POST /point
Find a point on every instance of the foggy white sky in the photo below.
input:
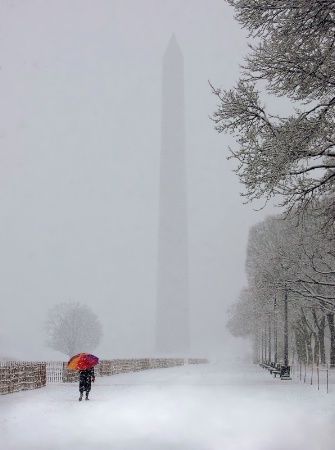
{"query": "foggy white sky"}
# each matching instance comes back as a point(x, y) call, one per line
point(79, 167)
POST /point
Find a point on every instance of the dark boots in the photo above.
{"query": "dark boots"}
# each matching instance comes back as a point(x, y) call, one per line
point(81, 396)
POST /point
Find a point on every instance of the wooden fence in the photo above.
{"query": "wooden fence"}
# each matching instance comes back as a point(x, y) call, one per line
point(54, 371)
point(115, 366)
point(20, 376)
point(57, 372)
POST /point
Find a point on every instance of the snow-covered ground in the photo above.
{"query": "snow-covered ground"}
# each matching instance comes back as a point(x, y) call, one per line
point(203, 407)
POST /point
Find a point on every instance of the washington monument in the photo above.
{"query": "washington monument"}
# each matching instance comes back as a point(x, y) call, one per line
point(172, 321)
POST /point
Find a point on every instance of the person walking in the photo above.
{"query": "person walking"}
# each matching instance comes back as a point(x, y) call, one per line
point(85, 379)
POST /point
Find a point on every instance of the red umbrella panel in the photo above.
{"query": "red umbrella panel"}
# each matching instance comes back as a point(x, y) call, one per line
point(82, 361)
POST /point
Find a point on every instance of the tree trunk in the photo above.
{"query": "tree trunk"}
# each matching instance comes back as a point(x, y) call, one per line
point(306, 330)
point(330, 319)
point(321, 334)
point(319, 351)
point(300, 345)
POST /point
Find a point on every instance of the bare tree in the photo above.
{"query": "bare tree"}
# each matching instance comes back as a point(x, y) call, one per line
point(72, 328)
point(295, 57)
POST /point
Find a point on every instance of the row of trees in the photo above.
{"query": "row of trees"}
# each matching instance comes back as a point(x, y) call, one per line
point(291, 157)
point(289, 264)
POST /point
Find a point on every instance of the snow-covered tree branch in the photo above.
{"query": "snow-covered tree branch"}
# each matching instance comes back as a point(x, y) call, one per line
point(293, 157)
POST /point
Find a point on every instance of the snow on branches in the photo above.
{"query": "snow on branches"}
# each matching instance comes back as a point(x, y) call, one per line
point(72, 328)
point(293, 157)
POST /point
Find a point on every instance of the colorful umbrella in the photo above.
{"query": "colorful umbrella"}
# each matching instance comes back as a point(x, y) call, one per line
point(82, 361)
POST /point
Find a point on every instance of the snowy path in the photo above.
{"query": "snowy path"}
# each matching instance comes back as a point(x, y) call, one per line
point(205, 407)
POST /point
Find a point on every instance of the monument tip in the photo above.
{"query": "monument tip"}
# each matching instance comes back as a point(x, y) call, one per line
point(173, 39)
point(173, 44)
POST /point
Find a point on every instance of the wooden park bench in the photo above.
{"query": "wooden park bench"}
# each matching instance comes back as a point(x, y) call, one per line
point(275, 370)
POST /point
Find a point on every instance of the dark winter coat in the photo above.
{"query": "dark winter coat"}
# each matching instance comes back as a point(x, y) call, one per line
point(85, 378)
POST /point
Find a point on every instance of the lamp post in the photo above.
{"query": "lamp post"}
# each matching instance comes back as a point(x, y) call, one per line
point(262, 346)
point(275, 329)
point(259, 346)
point(285, 369)
point(270, 342)
point(285, 327)
point(265, 344)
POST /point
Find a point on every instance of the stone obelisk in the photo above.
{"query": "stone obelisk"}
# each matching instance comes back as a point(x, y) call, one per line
point(172, 318)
